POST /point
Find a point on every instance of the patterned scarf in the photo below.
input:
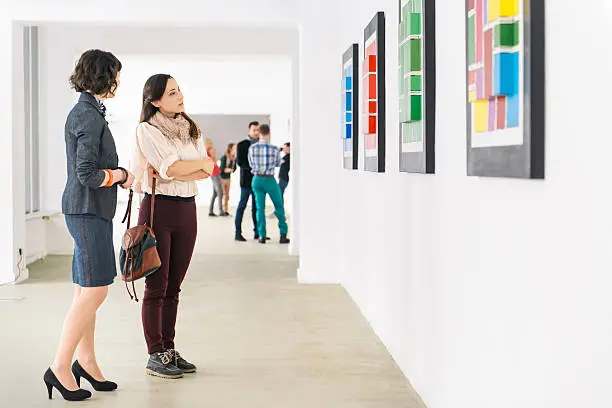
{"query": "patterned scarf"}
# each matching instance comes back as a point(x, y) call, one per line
point(176, 128)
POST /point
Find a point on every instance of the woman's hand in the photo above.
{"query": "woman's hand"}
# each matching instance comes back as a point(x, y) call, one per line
point(207, 164)
point(127, 178)
point(198, 175)
point(129, 181)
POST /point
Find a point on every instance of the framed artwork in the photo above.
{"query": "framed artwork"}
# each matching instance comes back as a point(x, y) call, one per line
point(505, 80)
point(417, 86)
point(374, 94)
point(350, 107)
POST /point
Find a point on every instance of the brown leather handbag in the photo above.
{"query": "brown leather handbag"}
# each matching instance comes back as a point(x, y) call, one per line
point(138, 257)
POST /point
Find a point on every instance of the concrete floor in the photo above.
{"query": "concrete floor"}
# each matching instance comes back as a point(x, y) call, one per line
point(258, 338)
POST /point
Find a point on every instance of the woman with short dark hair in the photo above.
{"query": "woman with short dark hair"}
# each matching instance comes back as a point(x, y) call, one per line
point(89, 203)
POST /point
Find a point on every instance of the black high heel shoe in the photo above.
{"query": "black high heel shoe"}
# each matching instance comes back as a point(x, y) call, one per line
point(103, 386)
point(52, 381)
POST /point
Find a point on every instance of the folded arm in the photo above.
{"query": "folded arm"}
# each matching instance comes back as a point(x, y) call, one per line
point(162, 156)
point(188, 168)
point(198, 175)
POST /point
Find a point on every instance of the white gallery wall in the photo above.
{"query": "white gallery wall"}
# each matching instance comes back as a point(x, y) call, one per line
point(488, 292)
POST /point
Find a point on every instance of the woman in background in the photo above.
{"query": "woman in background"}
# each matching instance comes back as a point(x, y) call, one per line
point(228, 166)
point(171, 143)
point(216, 181)
point(89, 203)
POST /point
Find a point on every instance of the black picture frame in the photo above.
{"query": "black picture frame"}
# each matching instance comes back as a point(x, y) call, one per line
point(377, 27)
point(526, 160)
point(424, 161)
point(352, 55)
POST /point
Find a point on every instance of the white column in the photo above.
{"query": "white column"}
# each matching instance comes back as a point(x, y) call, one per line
point(19, 146)
point(320, 73)
point(294, 227)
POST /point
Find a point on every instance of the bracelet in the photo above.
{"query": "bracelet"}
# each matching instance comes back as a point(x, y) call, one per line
point(109, 174)
point(125, 175)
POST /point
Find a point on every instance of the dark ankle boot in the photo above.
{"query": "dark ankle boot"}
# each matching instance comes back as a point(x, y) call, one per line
point(180, 362)
point(284, 239)
point(162, 365)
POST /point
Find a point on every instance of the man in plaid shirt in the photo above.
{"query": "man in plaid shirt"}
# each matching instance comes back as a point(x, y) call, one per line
point(263, 159)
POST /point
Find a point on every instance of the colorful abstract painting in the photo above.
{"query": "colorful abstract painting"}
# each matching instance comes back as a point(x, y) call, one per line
point(417, 85)
point(350, 106)
point(373, 86)
point(505, 81)
point(493, 58)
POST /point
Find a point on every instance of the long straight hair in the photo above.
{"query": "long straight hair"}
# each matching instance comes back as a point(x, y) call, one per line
point(154, 89)
point(228, 150)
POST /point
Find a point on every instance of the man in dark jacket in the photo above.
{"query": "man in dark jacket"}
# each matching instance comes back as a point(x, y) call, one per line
point(283, 175)
point(246, 178)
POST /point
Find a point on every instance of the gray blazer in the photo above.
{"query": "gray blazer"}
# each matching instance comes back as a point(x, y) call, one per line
point(90, 148)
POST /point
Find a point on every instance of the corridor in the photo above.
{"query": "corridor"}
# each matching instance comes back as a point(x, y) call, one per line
point(259, 338)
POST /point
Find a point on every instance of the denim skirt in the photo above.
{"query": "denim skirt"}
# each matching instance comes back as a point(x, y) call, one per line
point(94, 262)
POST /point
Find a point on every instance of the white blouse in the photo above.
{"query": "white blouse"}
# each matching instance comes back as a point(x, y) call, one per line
point(159, 151)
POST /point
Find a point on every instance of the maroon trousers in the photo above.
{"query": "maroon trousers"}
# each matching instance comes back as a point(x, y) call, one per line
point(175, 227)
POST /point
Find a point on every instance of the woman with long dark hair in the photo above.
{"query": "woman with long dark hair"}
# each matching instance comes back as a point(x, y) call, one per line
point(171, 143)
point(89, 203)
point(228, 166)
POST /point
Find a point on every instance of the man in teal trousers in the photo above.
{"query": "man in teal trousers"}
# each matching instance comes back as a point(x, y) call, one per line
point(263, 159)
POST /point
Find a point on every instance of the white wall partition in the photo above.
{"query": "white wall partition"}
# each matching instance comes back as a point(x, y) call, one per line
point(488, 292)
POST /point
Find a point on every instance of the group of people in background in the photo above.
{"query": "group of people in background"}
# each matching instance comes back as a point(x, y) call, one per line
point(258, 160)
point(169, 149)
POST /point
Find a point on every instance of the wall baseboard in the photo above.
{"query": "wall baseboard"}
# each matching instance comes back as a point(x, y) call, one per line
point(37, 256)
point(60, 253)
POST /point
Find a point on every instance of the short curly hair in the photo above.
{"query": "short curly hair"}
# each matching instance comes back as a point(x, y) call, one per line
point(96, 72)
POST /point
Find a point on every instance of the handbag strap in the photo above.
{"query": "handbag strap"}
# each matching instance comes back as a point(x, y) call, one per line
point(128, 211)
point(153, 200)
